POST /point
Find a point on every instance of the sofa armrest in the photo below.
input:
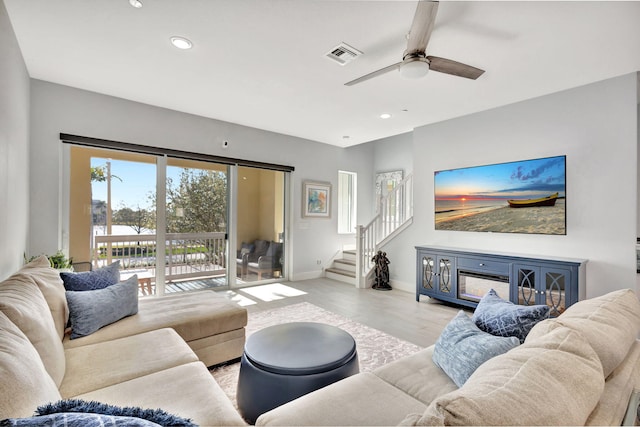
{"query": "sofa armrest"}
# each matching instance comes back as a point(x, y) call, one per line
point(267, 262)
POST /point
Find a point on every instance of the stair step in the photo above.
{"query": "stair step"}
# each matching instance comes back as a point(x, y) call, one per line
point(336, 274)
point(341, 272)
point(344, 264)
point(349, 255)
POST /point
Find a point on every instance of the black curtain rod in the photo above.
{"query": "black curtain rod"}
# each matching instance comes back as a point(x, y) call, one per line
point(156, 151)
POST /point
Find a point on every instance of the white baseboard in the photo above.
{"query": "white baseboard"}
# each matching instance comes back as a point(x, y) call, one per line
point(403, 286)
point(306, 275)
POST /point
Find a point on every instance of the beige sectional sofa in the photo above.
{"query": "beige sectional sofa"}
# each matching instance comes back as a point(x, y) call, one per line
point(578, 369)
point(156, 358)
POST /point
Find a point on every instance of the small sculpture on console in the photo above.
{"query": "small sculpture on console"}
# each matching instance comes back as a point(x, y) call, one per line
point(381, 270)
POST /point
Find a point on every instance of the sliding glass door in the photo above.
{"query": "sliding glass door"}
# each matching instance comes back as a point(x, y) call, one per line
point(167, 220)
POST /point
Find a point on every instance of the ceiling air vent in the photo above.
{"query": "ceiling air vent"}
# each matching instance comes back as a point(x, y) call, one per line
point(343, 54)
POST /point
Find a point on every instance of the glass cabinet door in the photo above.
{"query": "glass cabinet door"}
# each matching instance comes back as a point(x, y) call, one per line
point(428, 273)
point(445, 274)
point(526, 285)
point(555, 284)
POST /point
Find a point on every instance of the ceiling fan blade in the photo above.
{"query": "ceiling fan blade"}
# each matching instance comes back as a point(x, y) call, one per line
point(459, 69)
point(422, 26)
point(374, 74)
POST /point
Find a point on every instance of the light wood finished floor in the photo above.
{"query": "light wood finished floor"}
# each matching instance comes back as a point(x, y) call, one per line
point(394, 312)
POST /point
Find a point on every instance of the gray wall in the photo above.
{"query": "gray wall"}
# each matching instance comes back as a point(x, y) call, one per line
point(56, 108)
point(595, 126)
point(14, 150)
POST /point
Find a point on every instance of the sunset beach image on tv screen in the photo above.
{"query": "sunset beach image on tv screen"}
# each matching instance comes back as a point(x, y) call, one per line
point(526, 196)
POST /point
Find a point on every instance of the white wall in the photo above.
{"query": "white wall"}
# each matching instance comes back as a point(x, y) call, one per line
point(595, 126)
point(14, 150)
point(56, 108)
point(393, 153)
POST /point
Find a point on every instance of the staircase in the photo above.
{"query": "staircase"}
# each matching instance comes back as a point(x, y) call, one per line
point(343, 269)
point(395, 213)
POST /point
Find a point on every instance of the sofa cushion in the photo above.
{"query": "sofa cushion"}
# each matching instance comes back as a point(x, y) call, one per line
point(25, 382)
point(504, 318)
point(91, 310)
point(193, 381)
point(123, 359)
point(48, 280)
point(417, 376)
point(90, 280)
point(358, 400)
point(555, 379)
point(609, 322)
point(261, 247)
point(274, 249)
point(462, 347)
point(246, 248)
point(23, 303)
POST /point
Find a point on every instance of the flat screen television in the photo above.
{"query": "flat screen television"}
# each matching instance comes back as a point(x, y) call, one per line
point(527, 196)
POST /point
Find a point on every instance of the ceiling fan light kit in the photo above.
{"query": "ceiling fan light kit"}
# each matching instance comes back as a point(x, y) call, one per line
point(414, 68)
point(416, 63)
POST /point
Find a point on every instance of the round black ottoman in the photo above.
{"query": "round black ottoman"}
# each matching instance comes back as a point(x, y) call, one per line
point(283, 362)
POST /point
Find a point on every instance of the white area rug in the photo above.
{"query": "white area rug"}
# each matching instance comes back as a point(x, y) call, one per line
point(375, 348)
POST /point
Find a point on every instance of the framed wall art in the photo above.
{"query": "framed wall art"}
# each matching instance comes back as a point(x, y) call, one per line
point(316, 199)
point(527, 196)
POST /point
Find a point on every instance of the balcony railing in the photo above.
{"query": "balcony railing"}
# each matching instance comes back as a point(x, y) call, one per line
point(187, 255)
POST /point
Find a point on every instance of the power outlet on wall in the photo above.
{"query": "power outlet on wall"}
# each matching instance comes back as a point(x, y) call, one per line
point(319, 261)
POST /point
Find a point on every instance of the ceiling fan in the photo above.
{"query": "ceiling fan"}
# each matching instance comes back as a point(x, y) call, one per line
point(415, 62)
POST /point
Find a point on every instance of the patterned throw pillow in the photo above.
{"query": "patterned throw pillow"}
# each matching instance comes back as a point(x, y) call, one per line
point(462, 347)
point(90, 280)
point(506, 319)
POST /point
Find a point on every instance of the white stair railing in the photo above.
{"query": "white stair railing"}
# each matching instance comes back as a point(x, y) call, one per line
point(395, 212)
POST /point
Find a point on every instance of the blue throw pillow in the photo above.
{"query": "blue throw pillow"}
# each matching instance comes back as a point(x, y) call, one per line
point(91, 310)
point(506, 319)
point(90, 280)
point(82, 413)
point(70, 419)
point(462, 347)
point(157, 416)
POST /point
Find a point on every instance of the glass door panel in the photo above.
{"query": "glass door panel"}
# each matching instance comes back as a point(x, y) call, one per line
point(260, 248)
point(111, 212)
point(196, 225)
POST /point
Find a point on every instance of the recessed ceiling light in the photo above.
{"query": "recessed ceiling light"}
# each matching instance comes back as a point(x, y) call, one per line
point(135, 3)
point(181, 42)
point(385, 115)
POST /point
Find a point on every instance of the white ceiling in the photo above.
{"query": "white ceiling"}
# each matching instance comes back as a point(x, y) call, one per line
point(261, 63)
